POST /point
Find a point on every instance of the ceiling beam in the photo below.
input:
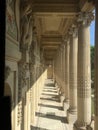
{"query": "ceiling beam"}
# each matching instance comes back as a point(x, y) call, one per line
point(49, 53)
point(51, 43)
point(50, 47)
point(44, 7)
point(51, 38)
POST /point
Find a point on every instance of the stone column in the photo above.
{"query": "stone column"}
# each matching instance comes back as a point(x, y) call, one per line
point(96, 66)
point(84, 74)
point(60, 51)
point(62, 74)
point(64, 69)
point(62, 62)
point(59, 71)
point(66, 74)
point(72, 111)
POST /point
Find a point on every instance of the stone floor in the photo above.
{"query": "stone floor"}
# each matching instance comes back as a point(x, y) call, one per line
point(51, 115)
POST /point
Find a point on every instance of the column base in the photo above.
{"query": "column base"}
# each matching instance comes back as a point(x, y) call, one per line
point(65, 104)
point(89, 128)
point(62, 98)
point(71, 116)
point(77, 127)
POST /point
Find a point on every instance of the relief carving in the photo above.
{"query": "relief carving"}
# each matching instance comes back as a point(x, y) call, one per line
point(17, 18)
point(32, 57)
point(11, 28)
point(26, 23)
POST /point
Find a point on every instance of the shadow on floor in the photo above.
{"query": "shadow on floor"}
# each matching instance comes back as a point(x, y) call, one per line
point(54, 91)
point(51, 106)
point(50, 99)
point(49, 94)
point(37, 128)
point(53, 88)
point(49, 84)
point(50, 116)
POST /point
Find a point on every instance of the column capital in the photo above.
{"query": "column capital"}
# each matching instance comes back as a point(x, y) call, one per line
point(85, 18)
point(73, 31)
point(66, 39)
point(62, 46)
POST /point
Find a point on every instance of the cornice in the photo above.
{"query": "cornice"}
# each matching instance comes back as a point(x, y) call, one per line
point(86, 5)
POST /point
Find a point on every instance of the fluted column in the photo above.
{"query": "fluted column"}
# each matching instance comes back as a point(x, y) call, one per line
point(59, 70)
point(72, 111)
point(61, 65)
point(62, 85)
point(96, 66)
point(62, 74)
point(67, 47)
point(84, 74)
point(63, 62)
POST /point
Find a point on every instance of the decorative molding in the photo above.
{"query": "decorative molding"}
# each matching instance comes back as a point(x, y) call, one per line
point(19, 114)
point(84, 88)
point(86, 5)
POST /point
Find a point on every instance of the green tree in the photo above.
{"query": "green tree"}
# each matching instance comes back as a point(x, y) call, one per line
point(92, 64)
point(92, 76)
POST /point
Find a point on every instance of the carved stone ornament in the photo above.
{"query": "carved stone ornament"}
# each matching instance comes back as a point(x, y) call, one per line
point(66, 38)
point(85, 18)
point(7, 71)
point(73, 31)
point(11, 27)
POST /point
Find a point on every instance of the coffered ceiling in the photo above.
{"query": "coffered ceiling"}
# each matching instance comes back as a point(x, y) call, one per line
point(54, 18)
point(52, 28)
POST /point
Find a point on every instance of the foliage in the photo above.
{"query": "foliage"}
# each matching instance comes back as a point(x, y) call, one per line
point(92, 64)
point(92, 76)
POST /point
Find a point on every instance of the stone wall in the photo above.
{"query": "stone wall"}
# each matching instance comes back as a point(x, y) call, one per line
point(24, 65)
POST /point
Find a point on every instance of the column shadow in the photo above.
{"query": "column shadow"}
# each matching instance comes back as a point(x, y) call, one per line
point(51, 106)
point(54, 91)
point(37, 128)
point(50, 88)
point(48, 94)
point(63, 119)
point(49, 84)
point(50, 99)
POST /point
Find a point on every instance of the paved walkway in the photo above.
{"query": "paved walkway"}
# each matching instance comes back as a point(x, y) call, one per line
point(51, 115)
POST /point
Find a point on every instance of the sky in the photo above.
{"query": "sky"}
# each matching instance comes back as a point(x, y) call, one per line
point(92, 33)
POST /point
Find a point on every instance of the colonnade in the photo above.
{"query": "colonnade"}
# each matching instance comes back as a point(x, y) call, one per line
point(77, 73)
point(71, 68)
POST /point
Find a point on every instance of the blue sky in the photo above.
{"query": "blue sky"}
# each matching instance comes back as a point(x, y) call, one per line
point(92, 33)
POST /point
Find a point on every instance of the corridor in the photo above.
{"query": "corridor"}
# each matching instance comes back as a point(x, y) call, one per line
point(47, 41)
point(51, 115)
